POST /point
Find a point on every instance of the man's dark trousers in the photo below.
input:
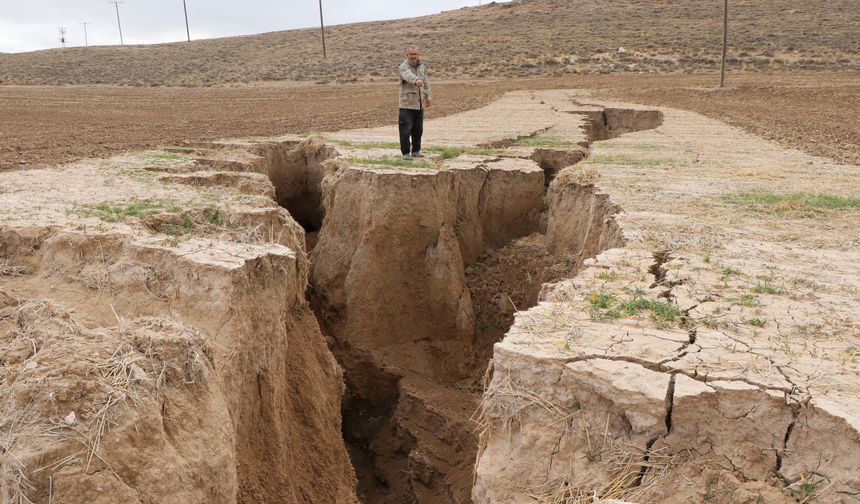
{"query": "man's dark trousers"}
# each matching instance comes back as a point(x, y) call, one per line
point(411, 126)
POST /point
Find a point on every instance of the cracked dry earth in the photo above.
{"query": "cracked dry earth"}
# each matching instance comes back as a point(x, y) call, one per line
point(568, 301)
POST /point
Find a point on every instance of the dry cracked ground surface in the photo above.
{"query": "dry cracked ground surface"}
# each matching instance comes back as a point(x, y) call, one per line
point(695, 337)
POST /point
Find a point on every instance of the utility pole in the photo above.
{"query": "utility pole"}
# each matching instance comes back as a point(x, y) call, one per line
point(187, 31)
point(62, 37)
point(86, 42)
point(322, 29)
point(725, 42)
point(116, 4)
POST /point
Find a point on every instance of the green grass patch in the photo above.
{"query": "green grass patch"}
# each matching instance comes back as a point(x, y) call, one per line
point(368, 145)
point(729, 271)
point(179, 147)
point(185, 227)
point(662, 313)
point(620, 159)
point(755, 321)
point(145, 208)
point(607, 275)
point(632, 146)
point(212, 215)
point(167, 155)
point(747, 300)
point(485, 152)
point(601, 301)
point(391, 163)
point(544, 142)
point(607, 306)
point(601, 306)
point(799, 202)
point(766, 288)
point(446, 152)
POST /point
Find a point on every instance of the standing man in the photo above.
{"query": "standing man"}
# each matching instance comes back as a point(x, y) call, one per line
point(414, 98)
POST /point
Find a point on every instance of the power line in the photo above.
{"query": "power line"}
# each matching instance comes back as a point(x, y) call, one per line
point(116, 4)
point(86, 42)
point(62, 37)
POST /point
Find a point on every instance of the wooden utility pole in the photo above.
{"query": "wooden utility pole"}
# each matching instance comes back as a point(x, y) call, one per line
point(86, 42)
point(116, 4)
point(322, 29)
point(725, 42)
point(187, 31)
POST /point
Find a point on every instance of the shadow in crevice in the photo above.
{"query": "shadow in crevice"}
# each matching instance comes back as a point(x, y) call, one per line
point(296, 169)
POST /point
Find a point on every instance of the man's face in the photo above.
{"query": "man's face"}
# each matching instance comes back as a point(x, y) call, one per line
point(412, 56)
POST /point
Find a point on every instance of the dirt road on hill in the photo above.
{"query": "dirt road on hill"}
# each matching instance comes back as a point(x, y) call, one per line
point(43, 125)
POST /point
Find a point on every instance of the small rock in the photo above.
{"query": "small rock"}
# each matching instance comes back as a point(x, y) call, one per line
point(70, 419)
point(138, 374)
point(621, 50)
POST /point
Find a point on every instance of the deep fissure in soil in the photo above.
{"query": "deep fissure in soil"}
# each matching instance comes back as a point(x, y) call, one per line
point(407, 423)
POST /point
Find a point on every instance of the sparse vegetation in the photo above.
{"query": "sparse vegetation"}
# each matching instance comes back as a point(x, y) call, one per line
point(390, 162)
point(184, 227)
point(632, 146)
point(178, 147)
point(766, 288)
point(545, 142)
point(662, 313)
point(600, 306)
point(747, 300)
point(368, 145)
point(620, 159)
point(607, 275)
point(145, 208)
point(445, 152)
point(802, 203)
point(167, 155)
point(603, 306)
point(755, 321)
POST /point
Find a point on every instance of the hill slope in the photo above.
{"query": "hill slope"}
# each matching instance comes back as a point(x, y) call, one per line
point(521, 38)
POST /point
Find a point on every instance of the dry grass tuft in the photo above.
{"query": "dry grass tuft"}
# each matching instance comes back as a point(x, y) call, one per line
point(577, 175)
point(634, 470)
point(504, 403)
point(11, 270)
point(312, 146)
point(13, 481)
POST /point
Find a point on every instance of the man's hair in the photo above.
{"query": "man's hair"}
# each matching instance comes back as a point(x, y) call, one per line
point(412, 47)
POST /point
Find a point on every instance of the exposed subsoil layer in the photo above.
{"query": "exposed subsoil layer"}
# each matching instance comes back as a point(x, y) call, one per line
point(43, 125)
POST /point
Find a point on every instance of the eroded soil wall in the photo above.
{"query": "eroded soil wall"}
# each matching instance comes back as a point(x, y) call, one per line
point(257, 419)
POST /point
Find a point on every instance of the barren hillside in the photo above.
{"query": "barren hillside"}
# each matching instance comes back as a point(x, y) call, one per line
point(521, 38)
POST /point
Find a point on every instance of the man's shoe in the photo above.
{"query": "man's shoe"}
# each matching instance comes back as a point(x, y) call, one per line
point(407, 157)
point(417, 154)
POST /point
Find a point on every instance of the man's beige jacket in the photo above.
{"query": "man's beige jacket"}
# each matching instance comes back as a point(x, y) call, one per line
point(411, 96)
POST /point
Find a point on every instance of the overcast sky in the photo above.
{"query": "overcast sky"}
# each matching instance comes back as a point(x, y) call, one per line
point(28, 25)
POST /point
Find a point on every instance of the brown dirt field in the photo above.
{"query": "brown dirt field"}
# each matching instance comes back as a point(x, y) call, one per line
point(50, 125)
point(502, 40)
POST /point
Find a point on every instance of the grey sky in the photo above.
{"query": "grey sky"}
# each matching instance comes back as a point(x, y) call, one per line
point(28, 25)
